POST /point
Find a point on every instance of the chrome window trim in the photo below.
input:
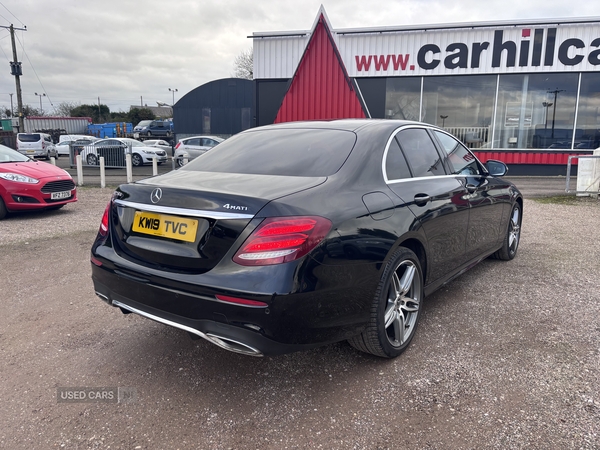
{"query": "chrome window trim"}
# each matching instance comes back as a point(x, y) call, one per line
point(183, 211)
point(424, 127)
point(387, 148)
point(436, 177)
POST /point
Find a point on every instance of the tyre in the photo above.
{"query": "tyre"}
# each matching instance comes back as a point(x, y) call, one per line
point(3, 210)
point(137, 160)
point(148, 134)
point(91, 159)
point(169, 134)
point(180, 161)
point(510, 244)
point(395, 309)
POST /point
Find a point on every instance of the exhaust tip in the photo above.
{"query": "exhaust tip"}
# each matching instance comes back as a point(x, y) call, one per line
point(232, 346)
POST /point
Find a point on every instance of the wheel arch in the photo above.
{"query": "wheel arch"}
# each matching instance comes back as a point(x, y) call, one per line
point(417, 247)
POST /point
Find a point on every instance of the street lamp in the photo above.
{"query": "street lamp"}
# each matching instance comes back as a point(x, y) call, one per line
point(40, 96)
point(555, 92)
point(546, 105)
point(173, 91)
point(443, 120)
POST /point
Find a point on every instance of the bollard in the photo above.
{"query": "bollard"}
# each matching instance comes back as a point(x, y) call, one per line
point(154, 166)
point(102, 173)
point(129, 168)
point(79, 170)
point(52, 160)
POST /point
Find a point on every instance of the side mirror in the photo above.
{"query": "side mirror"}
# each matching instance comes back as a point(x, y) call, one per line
point(496, 168)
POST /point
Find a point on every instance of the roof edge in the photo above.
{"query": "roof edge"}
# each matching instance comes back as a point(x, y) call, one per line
point(427, 27)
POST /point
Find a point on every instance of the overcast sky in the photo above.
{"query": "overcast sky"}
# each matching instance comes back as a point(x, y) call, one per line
point(124, 51)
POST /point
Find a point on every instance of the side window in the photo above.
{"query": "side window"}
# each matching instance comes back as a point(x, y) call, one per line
point(193, 142)
point(423, 158)
point(396, 167)
point(461, 160)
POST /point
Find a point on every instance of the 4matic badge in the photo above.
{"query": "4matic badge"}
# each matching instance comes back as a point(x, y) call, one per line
point(235, 207)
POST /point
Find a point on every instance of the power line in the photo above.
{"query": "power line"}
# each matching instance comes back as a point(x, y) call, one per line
point(11, 14)
point(36, 75)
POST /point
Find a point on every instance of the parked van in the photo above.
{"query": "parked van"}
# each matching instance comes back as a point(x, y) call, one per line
point(153, 128)
point(36, 145)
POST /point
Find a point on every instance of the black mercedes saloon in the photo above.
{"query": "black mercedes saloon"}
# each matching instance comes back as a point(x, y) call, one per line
point(291, 236)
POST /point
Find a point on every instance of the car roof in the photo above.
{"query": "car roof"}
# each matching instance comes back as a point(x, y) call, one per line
point(217, 138)
point(341, 124)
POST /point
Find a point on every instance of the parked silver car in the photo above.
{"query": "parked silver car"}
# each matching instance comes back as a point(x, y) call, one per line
point(159, 143)
point(192, 147)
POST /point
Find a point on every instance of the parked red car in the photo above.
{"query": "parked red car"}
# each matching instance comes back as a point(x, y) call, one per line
point(26, 184)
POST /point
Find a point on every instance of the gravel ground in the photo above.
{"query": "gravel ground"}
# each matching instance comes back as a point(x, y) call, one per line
point(506, 356)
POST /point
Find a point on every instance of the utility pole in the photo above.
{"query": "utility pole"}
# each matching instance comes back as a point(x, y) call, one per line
point(17, 71)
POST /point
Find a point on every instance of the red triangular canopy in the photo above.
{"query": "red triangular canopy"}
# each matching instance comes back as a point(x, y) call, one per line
point(321, 88)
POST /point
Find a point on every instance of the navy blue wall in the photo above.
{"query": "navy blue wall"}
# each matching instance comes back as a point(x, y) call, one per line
point(230, 102)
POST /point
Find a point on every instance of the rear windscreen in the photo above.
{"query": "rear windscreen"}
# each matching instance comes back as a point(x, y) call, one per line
point(33, 137)
point(291, 152)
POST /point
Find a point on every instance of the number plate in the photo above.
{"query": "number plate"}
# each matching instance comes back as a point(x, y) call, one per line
point(165, 226)
point(60, 195)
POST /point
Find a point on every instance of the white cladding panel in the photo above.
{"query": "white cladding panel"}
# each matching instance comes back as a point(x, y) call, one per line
point(396, 53)
point(278, 57)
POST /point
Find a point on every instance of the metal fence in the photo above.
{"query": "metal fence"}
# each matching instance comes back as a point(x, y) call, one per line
point(592, 185)
point(472, 137)
point(114, 156)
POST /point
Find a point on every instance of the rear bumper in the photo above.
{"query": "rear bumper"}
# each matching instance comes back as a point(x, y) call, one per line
point(236, 338)
point(290, 322)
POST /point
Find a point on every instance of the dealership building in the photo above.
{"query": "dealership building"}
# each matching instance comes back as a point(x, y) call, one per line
point(524, 92)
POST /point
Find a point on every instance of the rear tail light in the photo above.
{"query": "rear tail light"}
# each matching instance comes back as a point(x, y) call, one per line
point(282, 239)
point(103, 230)
point(178, 145)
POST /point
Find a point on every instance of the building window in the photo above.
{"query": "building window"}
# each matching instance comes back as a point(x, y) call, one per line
point(587, 132)
point(536, 111)
point(403, 98)
point(461, 105)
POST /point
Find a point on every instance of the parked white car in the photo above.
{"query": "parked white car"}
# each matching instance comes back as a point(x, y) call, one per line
point(114, 150)
point(63, 147)
point(192, 147)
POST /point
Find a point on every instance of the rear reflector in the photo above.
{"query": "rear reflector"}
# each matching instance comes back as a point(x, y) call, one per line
point(282, 239)
point(240, 301)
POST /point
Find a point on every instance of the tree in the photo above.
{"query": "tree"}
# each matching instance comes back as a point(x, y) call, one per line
point(136, 115)
point(29, 111)
point(65, 109)
point(98, 113)
point(243, 65)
